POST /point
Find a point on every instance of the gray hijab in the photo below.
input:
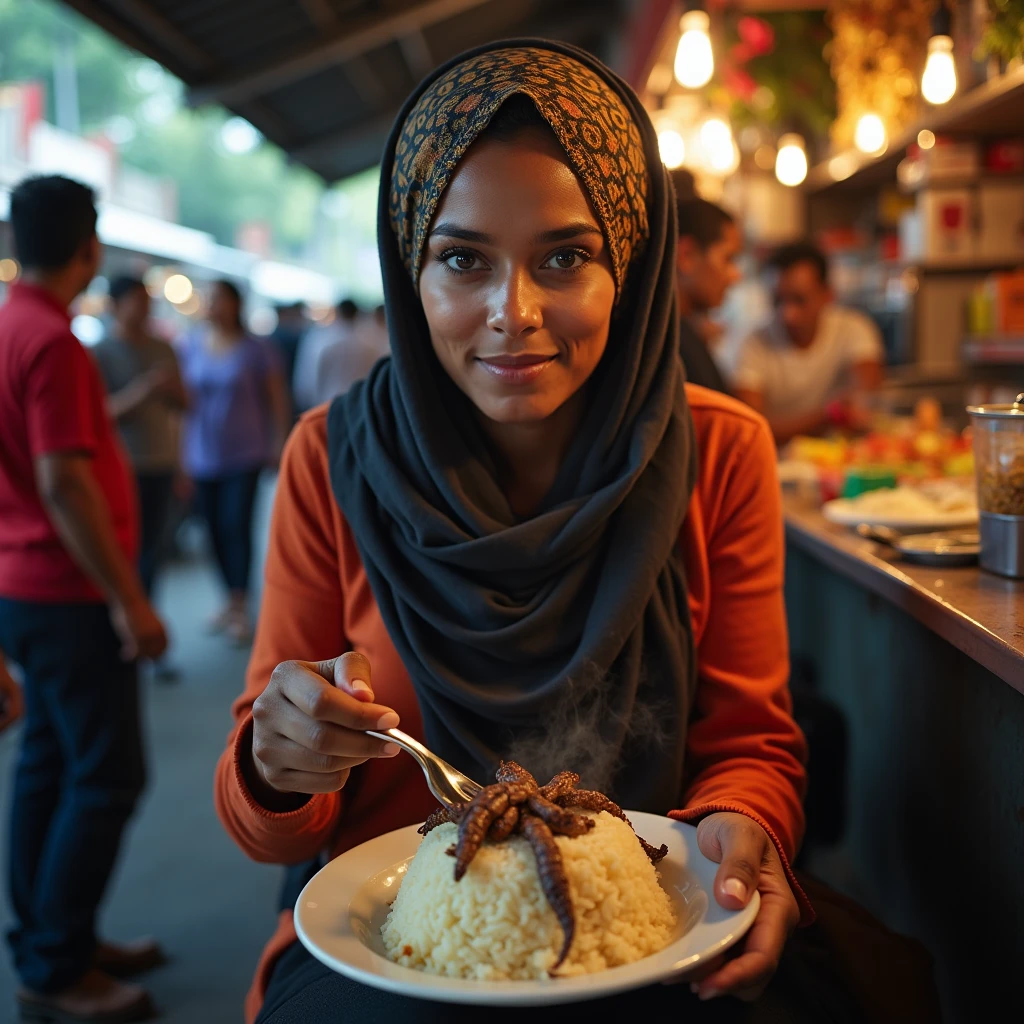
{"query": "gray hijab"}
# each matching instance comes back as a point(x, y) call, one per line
point(563, 640)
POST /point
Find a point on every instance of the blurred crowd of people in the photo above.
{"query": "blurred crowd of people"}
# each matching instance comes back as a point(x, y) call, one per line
point(200, 419)
point(101, 454)
point(810, 366)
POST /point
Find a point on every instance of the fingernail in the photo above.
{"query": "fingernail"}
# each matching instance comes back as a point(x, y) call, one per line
point(734, 887)
point(709, 993)
point(388, 721)
point(361, 686)
point(390, 749)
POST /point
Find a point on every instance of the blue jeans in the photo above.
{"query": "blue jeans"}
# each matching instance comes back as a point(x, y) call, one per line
point(227, 503)
point(80, 772)
point(156, 495)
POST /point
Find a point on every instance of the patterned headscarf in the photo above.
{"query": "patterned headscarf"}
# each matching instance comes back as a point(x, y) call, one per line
point(562, 639)
point(589, 120)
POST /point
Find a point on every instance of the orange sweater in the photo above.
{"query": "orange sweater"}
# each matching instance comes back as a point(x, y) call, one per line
point(744, 751)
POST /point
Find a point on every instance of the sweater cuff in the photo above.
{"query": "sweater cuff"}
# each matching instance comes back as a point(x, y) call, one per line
point(691, 815)
point(308, 816)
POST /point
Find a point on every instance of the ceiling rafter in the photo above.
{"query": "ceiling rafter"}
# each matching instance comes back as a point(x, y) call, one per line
point(355, 40)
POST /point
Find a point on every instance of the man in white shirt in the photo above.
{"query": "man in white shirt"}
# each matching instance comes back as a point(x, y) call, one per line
point(348, 359)
point(304, 379)
point(813, 364)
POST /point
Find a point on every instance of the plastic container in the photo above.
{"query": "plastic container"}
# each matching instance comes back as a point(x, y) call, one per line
point(999, 462)
point(867, 478)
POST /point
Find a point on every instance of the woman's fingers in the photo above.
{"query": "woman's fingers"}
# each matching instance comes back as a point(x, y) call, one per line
point(746, 979)
point(328, 739)
point(289, 780)
point(286, 754)
point(746, 975)
point(309, 731)
point(739, 844)
point(303, 683)
point(748, 861)
point(351, 673)
point(698, 973)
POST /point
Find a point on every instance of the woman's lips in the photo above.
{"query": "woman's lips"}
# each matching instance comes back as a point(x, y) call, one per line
point(516, 369)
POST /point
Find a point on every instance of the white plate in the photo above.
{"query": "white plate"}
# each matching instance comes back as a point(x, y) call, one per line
point(339, 914)
point(846, 513)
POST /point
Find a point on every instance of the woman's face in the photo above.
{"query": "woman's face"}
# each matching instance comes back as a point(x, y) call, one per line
point(516, 281)
point(223, 309)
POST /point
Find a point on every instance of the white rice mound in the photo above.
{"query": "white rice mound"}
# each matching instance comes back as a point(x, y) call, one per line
point(496, 924)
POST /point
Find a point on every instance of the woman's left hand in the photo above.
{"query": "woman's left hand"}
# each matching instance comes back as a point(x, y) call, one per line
point(748, 861)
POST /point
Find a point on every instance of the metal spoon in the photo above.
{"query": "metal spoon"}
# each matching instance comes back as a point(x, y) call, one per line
point(448, 784)
point(881, 534)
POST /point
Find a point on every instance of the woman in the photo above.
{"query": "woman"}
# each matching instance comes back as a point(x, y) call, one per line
point(235, 427)
point(527, 534)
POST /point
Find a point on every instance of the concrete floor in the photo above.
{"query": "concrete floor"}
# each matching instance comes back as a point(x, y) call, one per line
point(180, 877)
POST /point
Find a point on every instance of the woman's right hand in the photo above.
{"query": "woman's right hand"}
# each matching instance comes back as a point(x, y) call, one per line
point(309, 725)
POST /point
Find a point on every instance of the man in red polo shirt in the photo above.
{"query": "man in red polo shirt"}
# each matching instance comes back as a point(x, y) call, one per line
point(73, 616)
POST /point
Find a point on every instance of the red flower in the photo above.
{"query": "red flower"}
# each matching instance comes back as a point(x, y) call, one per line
point(741, 53)
point(757, 34)
point(739, 83)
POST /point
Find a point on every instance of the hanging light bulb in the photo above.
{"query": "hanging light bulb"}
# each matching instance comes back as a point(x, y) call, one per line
point(870, 136)
point(791, 160)
point(695, 61)
point(671, 147)
point(938, 83)
point(721, 154)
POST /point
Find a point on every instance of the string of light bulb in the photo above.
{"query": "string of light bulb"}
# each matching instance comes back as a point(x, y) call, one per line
point(711, 145)
point(938, 81)
point(695, 60)
point(938, 85)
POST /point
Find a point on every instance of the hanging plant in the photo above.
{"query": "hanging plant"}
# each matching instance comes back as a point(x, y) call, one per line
point(773, 71)
point(1004, 34)
point(877, 54)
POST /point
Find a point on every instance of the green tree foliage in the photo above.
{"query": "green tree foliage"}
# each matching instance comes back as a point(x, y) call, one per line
point(218, 191)
point(1004, 34)
point(30, 32)
point(773, 71)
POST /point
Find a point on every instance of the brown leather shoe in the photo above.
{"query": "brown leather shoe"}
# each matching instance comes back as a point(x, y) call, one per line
point(126, 959)
point(96, 998)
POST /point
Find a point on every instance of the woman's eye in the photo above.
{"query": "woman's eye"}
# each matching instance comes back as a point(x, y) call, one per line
point(568, 259)
point(462, 262)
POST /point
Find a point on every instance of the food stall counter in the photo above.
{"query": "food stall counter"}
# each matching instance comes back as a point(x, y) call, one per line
point(976, 611)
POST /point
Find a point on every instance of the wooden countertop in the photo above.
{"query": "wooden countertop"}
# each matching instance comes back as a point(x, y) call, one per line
point(981, 614)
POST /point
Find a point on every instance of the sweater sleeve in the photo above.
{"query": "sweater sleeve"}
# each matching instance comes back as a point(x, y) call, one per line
point(745, 753)
point(301, 617)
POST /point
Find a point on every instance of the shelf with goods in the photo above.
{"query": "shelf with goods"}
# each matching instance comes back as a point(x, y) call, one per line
point(993, 350)
point(991, 110)
point(931, 228)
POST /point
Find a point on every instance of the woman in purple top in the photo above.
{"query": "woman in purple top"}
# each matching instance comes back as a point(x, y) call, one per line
point(236, 425)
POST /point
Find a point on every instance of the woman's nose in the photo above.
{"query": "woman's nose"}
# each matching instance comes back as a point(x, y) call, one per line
point(515, 305)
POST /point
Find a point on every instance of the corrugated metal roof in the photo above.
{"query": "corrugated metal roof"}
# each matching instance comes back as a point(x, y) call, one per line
point(324, 79)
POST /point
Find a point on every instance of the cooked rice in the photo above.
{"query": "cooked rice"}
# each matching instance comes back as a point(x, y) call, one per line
point(496, 924)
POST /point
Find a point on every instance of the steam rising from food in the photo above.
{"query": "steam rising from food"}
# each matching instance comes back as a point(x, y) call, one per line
point(591, 729)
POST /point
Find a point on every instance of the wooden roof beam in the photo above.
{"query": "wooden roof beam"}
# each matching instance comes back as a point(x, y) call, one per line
point(369, 35)
point(145, 17)
point(320, 13)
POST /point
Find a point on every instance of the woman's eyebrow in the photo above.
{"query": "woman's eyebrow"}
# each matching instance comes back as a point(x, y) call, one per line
point(450, 230)
point(569, 231)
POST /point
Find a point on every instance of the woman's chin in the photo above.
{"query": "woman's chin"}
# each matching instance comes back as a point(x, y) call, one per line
point(517, 409)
